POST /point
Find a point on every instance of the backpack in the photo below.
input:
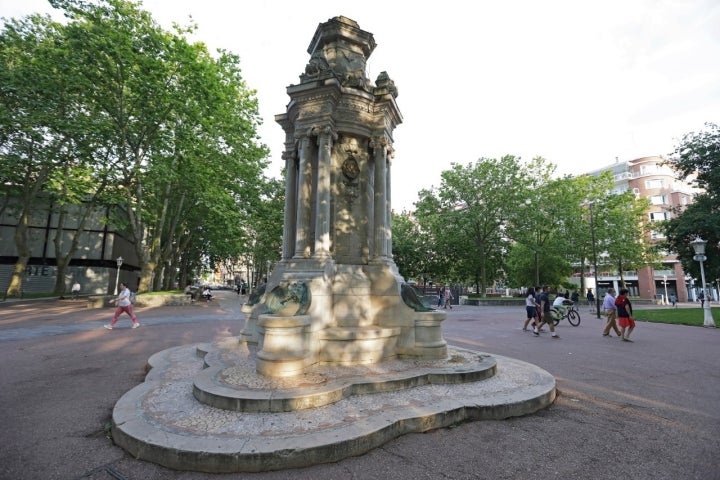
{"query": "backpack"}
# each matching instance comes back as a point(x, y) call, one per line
point(132, 297)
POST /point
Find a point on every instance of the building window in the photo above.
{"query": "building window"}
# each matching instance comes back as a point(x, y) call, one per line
point(646, 169)
point(656, 235)
point(659, 216)
point(658, 199)
point(656, 183)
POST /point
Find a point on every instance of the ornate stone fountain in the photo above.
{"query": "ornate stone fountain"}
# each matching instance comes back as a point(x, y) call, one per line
point(338, 354)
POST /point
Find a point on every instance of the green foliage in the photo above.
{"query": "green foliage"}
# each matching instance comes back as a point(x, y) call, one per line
point(465, 216)
point(697, 157)
point(521, 267)
point(112, 105)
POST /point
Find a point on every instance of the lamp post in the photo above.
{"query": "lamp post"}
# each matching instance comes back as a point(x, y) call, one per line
point(665, 301)
point(699, 245)
point(594, 252)
point(117, 277)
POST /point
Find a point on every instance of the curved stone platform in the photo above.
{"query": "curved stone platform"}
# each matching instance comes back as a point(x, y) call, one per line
point(231, 383)
point(161, 421)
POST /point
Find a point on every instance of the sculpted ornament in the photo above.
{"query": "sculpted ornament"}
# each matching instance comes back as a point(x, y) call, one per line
point(292, 299)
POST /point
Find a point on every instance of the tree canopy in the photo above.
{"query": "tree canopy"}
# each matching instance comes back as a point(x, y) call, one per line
point(697, 159)
point(109, 103)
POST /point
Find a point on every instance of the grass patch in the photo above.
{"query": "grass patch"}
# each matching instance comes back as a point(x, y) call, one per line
point(163, 292)
point(677, 316)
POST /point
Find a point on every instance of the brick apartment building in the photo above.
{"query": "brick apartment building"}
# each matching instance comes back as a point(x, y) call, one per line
point(647, 177)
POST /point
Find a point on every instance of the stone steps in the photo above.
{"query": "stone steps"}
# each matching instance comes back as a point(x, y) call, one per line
point(279, 423)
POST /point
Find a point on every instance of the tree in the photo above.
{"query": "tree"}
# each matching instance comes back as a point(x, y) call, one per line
point(697, 158)
point(46, 137)
point(545, 224)
point(182, 125)
point(467, 214)
point(412, 251)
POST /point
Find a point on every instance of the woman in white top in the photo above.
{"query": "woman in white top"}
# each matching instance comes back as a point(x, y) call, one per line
point(123, 305)
point(531, 306)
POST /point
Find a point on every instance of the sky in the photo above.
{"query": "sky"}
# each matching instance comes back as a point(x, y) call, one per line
point(580, 83)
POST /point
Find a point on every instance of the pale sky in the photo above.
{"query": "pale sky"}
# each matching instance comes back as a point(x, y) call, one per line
point(579, 83)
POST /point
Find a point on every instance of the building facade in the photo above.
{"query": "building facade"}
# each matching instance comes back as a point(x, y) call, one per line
point(649, 177)
point(94, 265)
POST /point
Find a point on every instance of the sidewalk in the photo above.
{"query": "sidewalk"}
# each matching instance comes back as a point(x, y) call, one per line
point(646, 410)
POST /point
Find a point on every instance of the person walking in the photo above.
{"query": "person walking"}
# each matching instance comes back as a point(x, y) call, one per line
point(75, 290)
point(546, 317)
point(123, 305)
point(701, 297)
point(575, 297)
point(673, 300)
point(531, 307)
point(440, 296)
point(624, 315)
point(610, 313)
point(448, 298)
point(590, 297)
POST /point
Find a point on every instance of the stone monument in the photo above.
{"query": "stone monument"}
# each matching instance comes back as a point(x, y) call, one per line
point(338, 354)
point(337, 245)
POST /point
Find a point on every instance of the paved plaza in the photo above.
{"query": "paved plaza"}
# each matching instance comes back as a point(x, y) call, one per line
point(643, 410)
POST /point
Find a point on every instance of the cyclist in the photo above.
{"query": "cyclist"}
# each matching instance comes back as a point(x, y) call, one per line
point(560, 305)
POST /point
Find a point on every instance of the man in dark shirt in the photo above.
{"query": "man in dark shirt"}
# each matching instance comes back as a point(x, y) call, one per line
point(546, 317)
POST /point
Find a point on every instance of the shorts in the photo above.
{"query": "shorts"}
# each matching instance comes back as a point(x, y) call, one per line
point(626, 322)
point(531, 312)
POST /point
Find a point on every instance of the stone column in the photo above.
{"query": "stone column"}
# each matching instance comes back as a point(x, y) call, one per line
point(388, 214)
point(379, 145)
point(326, 136)
point(290, 227)
point(304, 193)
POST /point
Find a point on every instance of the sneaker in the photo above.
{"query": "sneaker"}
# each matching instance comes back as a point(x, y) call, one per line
point(535, 332)
point(135, 325)
point(627, 340)
point(606, 334)
point(555, 336)
point(108, 327)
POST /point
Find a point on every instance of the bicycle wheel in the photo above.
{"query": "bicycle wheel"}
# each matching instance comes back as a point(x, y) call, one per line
point(573, 317)
point(556, 316)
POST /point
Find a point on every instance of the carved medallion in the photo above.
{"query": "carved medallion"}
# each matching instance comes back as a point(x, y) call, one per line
point(350, 168)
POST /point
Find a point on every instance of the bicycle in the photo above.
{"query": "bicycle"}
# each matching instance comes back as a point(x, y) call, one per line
point(568, 312)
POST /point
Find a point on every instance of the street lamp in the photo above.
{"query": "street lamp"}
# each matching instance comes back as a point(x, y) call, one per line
point(594, 252)
point(117, 277)
point(699, 245)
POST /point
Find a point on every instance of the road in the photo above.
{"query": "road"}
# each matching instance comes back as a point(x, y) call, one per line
point(643, 410)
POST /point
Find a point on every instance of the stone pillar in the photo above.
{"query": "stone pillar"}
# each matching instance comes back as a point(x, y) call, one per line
point(326, 136)
point(290, 226)
point(304, 193)
point(388, 215)
point(380, 225)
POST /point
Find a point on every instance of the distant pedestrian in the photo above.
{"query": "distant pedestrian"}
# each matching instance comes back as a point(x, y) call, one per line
point(673, 300)
point(75, 291)
point(448, 296)
point(610, 313)
point(575, 297)
point(440, 296)
point(123, 305)
point(624, 314)
point(590, 297)
point(531, 307)
point(701, 297)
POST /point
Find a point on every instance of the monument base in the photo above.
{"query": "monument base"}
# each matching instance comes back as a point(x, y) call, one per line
point(205, 408)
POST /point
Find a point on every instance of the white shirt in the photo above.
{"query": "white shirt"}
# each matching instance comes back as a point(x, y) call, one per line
point(559, 301)
point(124, 297)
